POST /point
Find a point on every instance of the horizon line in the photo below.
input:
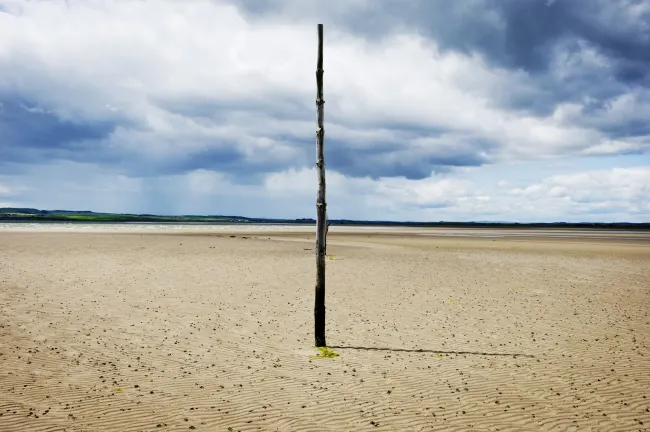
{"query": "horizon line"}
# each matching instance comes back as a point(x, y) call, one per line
point(305, 219)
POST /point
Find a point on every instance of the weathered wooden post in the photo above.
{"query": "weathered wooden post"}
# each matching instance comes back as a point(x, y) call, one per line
point(321, 206)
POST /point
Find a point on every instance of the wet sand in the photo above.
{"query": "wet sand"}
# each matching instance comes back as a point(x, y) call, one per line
point(142, 330)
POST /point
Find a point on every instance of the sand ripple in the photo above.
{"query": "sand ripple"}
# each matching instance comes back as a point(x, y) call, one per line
point(131, 332)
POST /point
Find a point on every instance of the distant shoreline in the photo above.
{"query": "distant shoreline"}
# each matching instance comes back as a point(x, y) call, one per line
point(378, 224)
point(30, 215)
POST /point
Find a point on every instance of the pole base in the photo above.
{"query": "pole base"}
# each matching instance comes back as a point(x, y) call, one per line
point(320, 342)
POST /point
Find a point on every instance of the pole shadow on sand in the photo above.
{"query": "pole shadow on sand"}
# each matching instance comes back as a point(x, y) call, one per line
point(432, 351)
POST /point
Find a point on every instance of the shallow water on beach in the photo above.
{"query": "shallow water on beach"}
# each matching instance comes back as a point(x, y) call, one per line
point(198, 227)
point(638, 236)
point(136, 227)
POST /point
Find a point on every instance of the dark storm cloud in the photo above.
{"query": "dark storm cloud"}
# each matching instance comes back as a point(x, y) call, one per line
point(395, 159)
point(227, 158)
point(630, 124)
point(29, 133)
point(513, 33)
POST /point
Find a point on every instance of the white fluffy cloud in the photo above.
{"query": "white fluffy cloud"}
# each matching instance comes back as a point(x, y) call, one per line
point(616, 191)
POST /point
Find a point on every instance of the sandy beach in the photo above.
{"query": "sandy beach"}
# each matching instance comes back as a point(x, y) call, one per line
point(138, 329)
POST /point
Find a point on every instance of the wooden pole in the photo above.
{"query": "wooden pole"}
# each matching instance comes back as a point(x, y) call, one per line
point(321, 206)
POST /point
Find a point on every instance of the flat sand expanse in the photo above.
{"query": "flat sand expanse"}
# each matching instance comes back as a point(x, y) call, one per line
point(160, 331)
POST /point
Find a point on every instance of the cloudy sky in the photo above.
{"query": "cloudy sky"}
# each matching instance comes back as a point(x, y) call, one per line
point(519, 110)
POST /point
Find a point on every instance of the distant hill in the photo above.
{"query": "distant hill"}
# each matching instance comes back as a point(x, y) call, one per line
point(9, 214)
